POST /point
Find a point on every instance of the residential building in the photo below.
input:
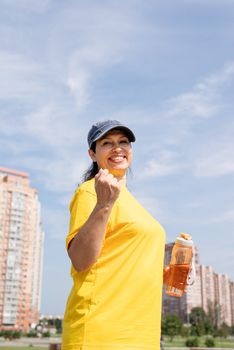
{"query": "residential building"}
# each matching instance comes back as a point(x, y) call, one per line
point(207, 287)
point(232, 300)
point(21, 249)
point(223, 298)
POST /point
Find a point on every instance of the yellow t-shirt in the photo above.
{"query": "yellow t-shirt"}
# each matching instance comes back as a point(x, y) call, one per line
point(116, 304)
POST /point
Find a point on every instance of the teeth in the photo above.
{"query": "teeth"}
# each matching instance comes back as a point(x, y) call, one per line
point(117, 158)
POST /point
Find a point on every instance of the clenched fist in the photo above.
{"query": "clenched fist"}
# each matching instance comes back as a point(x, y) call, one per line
point(107, 188)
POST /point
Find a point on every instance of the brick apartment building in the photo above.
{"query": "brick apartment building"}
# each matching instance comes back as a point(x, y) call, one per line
point(21, 249)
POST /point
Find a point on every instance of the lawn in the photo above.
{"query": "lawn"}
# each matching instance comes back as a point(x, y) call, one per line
point(21, 348)
point(180, 342)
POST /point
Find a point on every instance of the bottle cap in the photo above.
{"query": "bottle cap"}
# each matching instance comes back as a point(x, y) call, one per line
point(185, 236)
point(184, 239)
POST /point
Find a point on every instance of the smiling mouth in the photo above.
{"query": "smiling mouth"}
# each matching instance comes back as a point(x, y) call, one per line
point(117, 159)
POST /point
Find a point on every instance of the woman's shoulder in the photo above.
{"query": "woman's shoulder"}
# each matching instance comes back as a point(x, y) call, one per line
point(84, 190)
point(87, 186)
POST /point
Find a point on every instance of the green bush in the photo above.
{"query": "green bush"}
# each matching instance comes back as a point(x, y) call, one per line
point(171, 325)
point(46, 334)
point(16, 334)
point(185, 332)
point(8, 335)
point(32, 334)
point(192, 343)
point(209, 343)
point(11, 334)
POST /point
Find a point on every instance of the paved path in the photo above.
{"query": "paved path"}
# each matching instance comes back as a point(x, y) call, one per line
point(45, 342)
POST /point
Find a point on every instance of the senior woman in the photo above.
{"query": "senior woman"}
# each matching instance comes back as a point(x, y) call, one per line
point(117, 250)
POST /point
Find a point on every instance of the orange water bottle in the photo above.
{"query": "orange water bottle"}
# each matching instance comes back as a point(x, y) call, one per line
point(181, 268)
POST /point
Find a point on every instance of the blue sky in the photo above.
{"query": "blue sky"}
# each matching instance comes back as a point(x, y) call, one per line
point(166, 69)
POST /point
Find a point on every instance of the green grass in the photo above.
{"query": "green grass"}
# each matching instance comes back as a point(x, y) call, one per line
point(22, 348)
point(177, 342)
point(220, 343)
point(180, 342)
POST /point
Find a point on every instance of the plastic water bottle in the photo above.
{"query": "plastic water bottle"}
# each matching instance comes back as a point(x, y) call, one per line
point(182, 271)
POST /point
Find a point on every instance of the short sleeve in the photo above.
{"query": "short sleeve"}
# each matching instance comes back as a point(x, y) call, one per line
point(81, 207)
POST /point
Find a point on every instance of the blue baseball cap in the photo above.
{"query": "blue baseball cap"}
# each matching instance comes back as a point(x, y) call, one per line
point(100, 129)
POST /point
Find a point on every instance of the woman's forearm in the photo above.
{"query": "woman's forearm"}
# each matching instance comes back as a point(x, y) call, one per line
point(86, 246)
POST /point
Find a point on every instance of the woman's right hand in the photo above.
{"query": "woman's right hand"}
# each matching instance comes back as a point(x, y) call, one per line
point(107, 188)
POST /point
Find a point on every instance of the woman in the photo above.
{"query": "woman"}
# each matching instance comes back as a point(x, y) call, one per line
point(117, 250)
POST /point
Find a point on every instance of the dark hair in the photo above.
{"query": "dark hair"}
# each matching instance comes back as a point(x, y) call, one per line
point(90, 172)
point(93, 169)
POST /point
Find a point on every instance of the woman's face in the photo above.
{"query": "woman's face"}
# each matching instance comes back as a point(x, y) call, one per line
point(113, 152)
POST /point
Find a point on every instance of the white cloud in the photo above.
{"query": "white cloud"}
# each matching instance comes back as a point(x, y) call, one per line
point(224, 217)
point(50, 126)
point(229, 216)
point(154, 206)
point(181, 124)
point(106, 47)
point(64, 175)
point(78, 85)
point(209, 103)
point(110, 38)
point(166, 163)
point(192, 104)
point(216, 162)
point(218, 80)
point(19, 77)
point(29, 5)
point(56, 175)
point(83, 66)
point(204, 100)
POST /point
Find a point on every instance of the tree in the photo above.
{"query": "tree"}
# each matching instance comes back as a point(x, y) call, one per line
point(171, 326)
point(58, 325)
point(185, 331)
point(224, 330)
point(200, 322)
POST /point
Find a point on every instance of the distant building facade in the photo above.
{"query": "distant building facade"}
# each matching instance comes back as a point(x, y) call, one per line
point(232, 300)
point(21, 250)
point(212, 291)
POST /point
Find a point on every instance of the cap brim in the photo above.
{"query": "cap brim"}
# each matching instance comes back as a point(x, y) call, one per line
point(126, 130)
